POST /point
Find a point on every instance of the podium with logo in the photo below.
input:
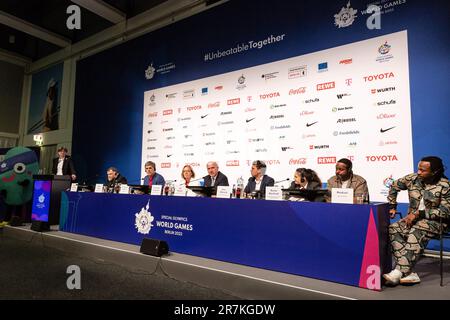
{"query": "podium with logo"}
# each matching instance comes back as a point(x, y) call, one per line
point(46, 200)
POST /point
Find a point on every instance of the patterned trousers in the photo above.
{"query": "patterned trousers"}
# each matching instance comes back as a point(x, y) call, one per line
point(407, 244)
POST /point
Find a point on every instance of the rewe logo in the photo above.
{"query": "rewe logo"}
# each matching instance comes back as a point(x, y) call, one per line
point(167, 112)
point(166, 165)
point(143, 220)
point(269, 95)
point(326, 160)
point(232, 163)
point(233, 101)
point(380, 76)
point(325, 86)
point(383, 158)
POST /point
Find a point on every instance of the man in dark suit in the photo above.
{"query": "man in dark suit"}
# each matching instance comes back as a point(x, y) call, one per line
point(259, 180)
point(215, 177)
point(113, 179)
point(63, 164)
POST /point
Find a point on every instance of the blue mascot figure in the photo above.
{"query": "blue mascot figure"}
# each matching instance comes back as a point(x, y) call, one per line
point(16, 181)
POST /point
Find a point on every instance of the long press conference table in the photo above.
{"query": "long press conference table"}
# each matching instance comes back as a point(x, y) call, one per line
point(341, 243)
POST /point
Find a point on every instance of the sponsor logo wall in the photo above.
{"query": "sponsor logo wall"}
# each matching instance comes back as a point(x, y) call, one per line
point(297, 112)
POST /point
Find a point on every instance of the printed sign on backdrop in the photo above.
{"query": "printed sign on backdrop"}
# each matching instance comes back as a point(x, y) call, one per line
point(307, 111)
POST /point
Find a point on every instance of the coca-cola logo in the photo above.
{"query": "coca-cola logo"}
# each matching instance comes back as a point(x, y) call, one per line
point(297, 91)
point(298, 161)
point(385, 116)
point(214, 105)
point(306, 113)
point(250, 109)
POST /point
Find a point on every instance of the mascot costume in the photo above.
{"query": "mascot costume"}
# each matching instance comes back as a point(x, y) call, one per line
point(16, 180)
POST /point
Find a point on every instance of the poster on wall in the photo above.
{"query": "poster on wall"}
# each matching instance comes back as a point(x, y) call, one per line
point(45, 100)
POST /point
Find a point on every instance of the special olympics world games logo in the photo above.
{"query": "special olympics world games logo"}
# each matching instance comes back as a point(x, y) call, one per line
point(143, 220)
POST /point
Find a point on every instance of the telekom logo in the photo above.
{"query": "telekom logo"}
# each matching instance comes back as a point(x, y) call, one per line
point(325, 86)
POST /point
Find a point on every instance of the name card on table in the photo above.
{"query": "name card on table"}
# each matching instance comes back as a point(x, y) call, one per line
point(342, 195)
point(98, 188)
point(74, 187)
point(180, 191)
point(274, 193)
point(224, 192)
point(124, 189)
point(156, 190)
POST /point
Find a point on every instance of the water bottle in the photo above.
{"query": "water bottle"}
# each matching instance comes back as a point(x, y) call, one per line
point(166, 189)
point(233, 194)
point(240, 186)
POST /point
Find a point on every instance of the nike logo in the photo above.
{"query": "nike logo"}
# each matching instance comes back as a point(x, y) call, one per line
point(384, 130)
point(310, 124)
point(204, 116)
point(169, 155)
point(248, 120)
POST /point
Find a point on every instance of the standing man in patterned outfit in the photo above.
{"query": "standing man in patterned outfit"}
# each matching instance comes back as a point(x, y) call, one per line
point(429, 210)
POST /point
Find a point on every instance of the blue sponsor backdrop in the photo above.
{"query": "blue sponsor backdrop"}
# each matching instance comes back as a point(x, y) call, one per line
point(110, 85)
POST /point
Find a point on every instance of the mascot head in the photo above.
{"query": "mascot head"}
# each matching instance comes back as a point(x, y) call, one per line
point(16, 175)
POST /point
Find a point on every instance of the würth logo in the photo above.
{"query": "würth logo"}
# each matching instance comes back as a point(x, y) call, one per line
point(325, 86)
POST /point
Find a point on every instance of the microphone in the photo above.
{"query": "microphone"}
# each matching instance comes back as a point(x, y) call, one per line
point(282, 180)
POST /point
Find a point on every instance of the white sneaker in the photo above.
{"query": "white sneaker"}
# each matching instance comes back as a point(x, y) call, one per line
point(393, 277)
point(412, 278)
